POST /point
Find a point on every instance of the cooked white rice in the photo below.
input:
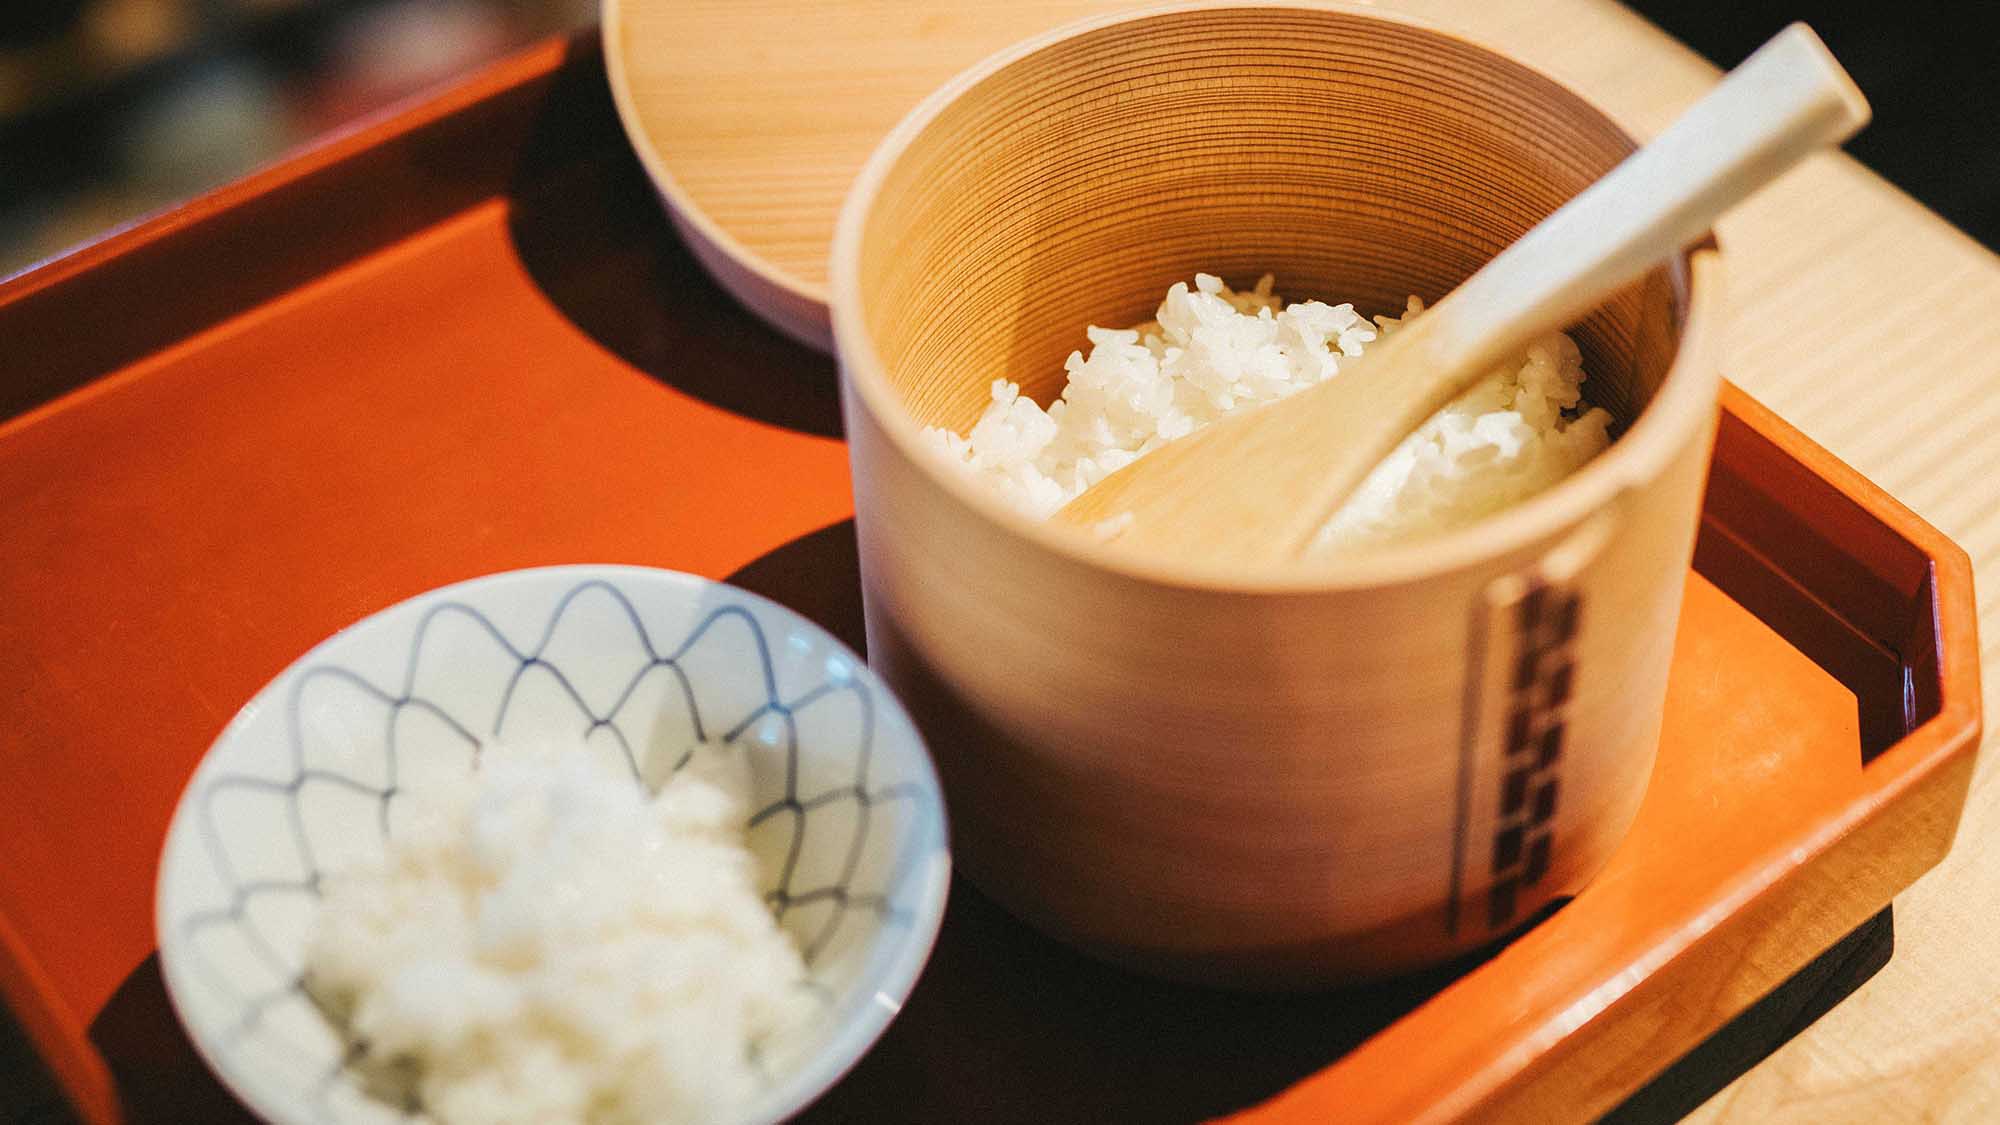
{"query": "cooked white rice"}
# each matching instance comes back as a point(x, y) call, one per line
point(1211, 350)
point(547, 943)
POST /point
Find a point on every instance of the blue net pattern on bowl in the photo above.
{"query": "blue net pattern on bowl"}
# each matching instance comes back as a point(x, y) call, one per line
point(850, 805)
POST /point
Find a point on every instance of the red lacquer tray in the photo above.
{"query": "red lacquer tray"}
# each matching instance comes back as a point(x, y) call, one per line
point(462, 338)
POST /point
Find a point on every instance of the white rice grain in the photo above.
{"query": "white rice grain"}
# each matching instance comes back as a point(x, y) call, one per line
point(1211, 351)
point(548, 943)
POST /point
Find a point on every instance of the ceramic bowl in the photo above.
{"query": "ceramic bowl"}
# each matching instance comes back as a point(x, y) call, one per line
point(848, 828)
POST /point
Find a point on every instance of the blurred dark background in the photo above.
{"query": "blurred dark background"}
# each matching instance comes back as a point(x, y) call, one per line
point(113, 108)
point(1930, 68)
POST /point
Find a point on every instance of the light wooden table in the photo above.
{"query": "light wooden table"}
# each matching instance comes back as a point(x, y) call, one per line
point(1874, 326)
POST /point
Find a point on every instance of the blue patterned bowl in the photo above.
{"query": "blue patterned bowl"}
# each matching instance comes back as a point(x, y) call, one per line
point(849, 828)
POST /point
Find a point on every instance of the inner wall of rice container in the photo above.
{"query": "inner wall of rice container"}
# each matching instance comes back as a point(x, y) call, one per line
point(1353, 159)
point(1243, 786)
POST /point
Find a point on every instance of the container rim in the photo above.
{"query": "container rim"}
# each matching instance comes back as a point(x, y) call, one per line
point(1687, 396)
point(611, 29)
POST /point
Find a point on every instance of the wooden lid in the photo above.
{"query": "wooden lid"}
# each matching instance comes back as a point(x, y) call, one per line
point(753, 116)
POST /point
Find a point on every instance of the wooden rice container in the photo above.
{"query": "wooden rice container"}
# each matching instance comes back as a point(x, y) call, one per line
point(1350, 767)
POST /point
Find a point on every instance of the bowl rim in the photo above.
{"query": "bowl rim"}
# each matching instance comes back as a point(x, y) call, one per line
point(847, 1042)
point(1687, 398)
point(611, 29)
